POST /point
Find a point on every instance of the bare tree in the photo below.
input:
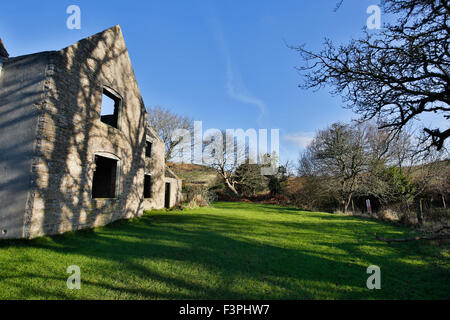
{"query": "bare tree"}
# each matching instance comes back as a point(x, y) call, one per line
point(166, 122)
point(337, 155)
point(442, 183)
point(426, 172)
point(393, 75)
point(386, 178)
point(220, 153)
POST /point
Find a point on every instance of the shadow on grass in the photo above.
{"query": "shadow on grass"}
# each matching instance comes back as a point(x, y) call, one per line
point(219, 256)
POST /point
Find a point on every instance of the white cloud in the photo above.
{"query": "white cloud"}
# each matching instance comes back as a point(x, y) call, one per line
point(301, 139)
point(241, 93)
point(235, 86)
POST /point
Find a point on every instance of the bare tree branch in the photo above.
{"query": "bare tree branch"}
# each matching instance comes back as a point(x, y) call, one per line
point(394, 75)
point(165, 122)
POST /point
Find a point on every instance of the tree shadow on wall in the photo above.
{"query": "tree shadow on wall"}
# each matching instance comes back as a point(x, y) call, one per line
point(72, 131)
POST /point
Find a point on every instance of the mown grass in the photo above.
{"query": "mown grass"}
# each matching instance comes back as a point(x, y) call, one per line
point(230, 251)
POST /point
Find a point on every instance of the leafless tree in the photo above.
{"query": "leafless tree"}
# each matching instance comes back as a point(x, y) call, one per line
point(394, 75)
point(337, 155)
point(220, 152)
point(427, 172)
point(442, 183)
point(166, 122)
point(432, 180)
point(381, 152)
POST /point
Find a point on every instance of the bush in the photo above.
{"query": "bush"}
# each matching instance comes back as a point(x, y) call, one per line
point(198, 196)
point(278, 182)
point(249, 180)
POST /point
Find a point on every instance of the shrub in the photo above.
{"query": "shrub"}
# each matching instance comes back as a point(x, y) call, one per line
point(278, 182)
point(249, 180)
point(198, 196)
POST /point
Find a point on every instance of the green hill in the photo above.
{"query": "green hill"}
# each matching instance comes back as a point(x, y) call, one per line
point(193, 174)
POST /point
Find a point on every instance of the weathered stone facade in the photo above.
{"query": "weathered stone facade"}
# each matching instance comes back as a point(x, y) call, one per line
point(65, 135)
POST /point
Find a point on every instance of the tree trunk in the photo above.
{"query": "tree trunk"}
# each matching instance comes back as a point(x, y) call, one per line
point(443, 201)
point(348, 203)
point(231, 187)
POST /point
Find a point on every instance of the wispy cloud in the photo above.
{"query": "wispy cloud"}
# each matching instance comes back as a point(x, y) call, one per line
point(300, 139)
point(238, 92)
point(235, 87)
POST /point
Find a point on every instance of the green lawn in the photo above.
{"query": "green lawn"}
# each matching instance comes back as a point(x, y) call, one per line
point(230, 251)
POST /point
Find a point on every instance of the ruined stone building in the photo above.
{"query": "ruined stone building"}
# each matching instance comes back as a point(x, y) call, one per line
point(75, 147)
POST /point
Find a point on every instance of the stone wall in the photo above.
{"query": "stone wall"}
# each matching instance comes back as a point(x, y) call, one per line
point(175, 187)
point(51, 132)
point(154, 166)
point(71, 133)
point(21, 83)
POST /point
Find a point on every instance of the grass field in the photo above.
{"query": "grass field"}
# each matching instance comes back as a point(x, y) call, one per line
point(230, 251)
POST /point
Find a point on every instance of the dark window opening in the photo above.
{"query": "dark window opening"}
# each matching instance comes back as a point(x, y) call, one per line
point(148, 149)
point(167, 195)
point(110, 109)
point(104, 182)
point(147, 186)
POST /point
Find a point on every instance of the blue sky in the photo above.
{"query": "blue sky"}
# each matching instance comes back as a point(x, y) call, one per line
point(225, 63)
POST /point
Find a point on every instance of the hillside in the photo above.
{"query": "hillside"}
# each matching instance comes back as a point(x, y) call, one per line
point(194, 174)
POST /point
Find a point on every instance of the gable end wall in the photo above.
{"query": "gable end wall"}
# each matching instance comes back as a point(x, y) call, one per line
point(71, 133)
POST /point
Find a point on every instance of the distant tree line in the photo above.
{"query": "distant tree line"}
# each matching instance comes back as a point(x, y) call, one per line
point(391, 78)
point(354, 162)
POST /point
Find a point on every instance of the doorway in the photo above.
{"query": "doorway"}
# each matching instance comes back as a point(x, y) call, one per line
point(167, 196)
